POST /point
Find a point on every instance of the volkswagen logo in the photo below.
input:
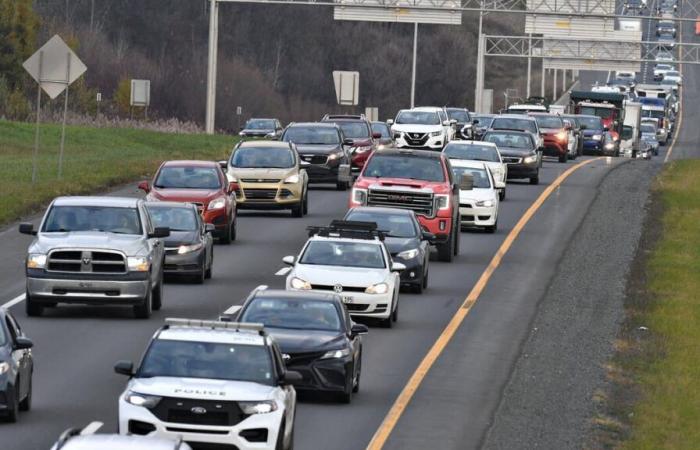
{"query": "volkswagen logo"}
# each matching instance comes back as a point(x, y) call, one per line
point(198, 410)
point(86, 261)
point(338, 288)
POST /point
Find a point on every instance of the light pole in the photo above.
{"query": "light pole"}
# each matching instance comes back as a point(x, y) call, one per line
point(211, 65)
point(413, 73)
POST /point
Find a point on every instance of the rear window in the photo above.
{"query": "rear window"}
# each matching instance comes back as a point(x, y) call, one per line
point(354, 130)
point(404, 166)
point(512, 140)
point(549, 122)
point(514, 124)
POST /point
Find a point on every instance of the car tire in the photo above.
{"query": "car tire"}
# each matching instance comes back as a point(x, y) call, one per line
point(26, 404)
point(201, 276)
point(279, 445)
point(225, 237)
point(492, 228)
point(356, 384)
point(12, 405)
point(563, 158)
point(144, 310)
point(341, 186)
point(535, 179)
point(32, 308)
point(425, 277)
point(502, 194)
point(207, 274)
point(458, 238)
point(417, 288)
point(446, 249)
point(157, 293)
point(306, 202)
point(298, 209)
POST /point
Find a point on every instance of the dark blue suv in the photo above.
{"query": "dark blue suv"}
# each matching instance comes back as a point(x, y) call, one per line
point(16, 368)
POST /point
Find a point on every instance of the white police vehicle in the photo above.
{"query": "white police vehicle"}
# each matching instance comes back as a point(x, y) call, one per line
point(211, 383)
point(350, 259)
point(87, 439)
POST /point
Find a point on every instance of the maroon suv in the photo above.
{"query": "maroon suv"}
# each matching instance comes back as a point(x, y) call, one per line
point(359, 130)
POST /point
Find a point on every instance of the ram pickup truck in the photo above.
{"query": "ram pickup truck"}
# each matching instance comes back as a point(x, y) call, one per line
point(95, 251)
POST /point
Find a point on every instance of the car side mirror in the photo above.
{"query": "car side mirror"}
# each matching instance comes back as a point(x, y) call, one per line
point(27, 228)
point(209, 228)
point(304, 164)
point(466, 182)
point(159, 232)
point(223, 164)
point(398, 267)
point(377, 135)
point(358, 329)
point(428, 236)
point(348, 142)
point(446, 123)
point(289, 260)
point(23, 343)
point(390, 122)
point(232, 187)
point(145, 186)
point(475, 122)
point(124, 368)
point(291, 377)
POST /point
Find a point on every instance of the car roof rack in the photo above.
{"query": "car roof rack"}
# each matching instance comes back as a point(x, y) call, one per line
point(344, 116)
point(350, 229)
point(216, 324)
point(91, 428)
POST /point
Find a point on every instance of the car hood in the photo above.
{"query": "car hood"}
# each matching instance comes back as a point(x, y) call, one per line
point(321, 149)
point(300, 341)
point(397, 245)
point(438, 187)
point(514, 151)
point(476, 195)
point(131, 245)
point(332, 275)
point(202, 389)
point(258, 173)
point(415, 128)
point(184, 195)
point(178, 238)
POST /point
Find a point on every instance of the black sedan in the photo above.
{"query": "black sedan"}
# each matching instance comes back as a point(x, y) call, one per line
point(405, 240)
point(16, 368)
point(316, 336)
point(519, 151)
point(189, 250)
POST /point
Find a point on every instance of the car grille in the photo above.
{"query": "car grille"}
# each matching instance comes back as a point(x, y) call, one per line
point(86, 261)
point(260, 194)
point(511, 160)
point(260, 180)
point(315, 159)
point(303, 359)
point(213, 413)
point(420, 202)
point(416, 138)
point(328, 287)
point(352, 307)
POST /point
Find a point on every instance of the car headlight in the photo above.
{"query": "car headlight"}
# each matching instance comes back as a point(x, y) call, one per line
point(334, 156)
point(436, 133)
point(609, 146)
point(530, 159)
point(341, 353)
point(4, 367)
point(181, 250)
point(147, 401)
point(379, 288)
point(359, 195)
point(442, 201)
point(292, 179)
point(36, 261)
point(138, 263)
point(485, 203)
point(562, 136)
point(408, 254)
point(597, 137)
point(217, 203)
point(298, 283)
point(260, 407)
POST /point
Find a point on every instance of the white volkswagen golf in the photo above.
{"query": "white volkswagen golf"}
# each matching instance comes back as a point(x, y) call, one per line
point(349, 258)
point(486, 152)
point(478, 199)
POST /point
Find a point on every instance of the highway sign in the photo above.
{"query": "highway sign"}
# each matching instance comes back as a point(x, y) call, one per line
point(347, 87)
point(54, 66)
point(447, 13)
point(140, 92)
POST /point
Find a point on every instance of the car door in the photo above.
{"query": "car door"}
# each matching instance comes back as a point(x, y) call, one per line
point(22, 357)
point(156, 248)
point(355, 341)
point(290, 394)
point(206, 239)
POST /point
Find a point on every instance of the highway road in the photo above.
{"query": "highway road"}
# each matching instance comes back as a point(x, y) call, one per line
point(76, 347)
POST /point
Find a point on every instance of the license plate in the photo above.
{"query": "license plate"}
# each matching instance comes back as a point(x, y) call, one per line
point(347, 299)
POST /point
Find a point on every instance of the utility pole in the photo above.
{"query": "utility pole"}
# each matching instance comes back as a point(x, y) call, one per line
point(211, 66)
point(529, 65)
point(413, 74)
point(481, 47)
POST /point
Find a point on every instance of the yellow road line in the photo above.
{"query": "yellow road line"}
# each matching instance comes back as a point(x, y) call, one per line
point(384, 431)
point(680, 112)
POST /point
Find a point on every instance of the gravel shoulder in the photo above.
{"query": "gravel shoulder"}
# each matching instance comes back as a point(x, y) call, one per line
point(549, 399)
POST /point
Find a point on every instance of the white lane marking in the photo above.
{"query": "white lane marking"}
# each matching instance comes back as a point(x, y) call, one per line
point(283, 271)
point(14, 301)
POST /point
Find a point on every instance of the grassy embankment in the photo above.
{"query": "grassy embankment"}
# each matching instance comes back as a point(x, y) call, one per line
point(94, 159)
point(659, 355)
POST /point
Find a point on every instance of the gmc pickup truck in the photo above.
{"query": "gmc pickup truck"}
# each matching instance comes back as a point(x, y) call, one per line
point(95, 251)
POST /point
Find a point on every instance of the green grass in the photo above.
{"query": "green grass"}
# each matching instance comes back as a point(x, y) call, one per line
point(94, 159)
point(667, 415)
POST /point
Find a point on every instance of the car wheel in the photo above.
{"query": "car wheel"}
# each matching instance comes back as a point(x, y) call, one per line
point(425, 277)
point(306, 202)
point(446, 249)
point(356, 385)
point(200, 276)
point(341, 186)
point(563, 158)
point(395, 314)
point(298, 209)
point(12, 405)
point(26, 404)
point(144, 310)
point(502, 194)
point(158, 293)
point(279, 445)
point(417, 288)
point(225, 237)
point(233, 230)
point(32, 308)
point(207, 274)
point(535, 179)
point(492, 228)
point(458, 237)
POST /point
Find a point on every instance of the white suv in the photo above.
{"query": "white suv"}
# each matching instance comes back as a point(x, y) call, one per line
point(350, 259)
point(87, 439)
point(422, 128)
point(211, 382)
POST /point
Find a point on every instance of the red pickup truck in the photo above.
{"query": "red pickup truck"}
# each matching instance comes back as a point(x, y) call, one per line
point(419, 180)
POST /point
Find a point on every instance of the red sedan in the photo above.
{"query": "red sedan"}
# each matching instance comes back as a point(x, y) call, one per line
point(202, 183)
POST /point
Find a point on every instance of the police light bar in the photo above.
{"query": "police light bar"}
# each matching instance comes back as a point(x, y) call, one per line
point(216, 324)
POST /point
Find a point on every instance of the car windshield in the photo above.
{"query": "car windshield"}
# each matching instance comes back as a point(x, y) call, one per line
point(418, 118)
point(472, 151)
point(460, 115)
point(549, 122)
point(312, 135)
point(354, 130)
point(262, 158)
point(345, 254)
point(514, 124)
point(484, 121)
point(176, 218)
point(93, 218)
point(603, 113)
point(591, 123)
point(400, 166)
point(656, 114)
point(381, 127)
point(171, 177)
point(394, 225)
point(293, 314)
point(512, 140)
point(260, 124)
point(648, 128)
point(209, 360)
point(668, 82)
point(481, 178)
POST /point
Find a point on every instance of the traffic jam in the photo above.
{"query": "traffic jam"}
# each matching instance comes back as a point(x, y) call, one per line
point(414, 186)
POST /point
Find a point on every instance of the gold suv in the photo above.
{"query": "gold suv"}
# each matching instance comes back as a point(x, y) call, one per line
point(268, 175)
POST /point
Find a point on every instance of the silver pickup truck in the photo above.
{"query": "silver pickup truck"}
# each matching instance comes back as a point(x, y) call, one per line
point(96, 251)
